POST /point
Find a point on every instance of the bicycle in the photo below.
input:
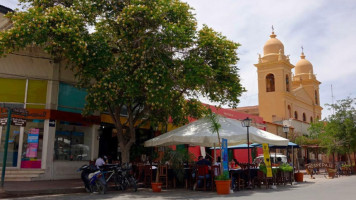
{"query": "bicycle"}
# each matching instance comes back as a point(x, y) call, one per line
point(112, 172)
point(125, 178)
point(122, 176)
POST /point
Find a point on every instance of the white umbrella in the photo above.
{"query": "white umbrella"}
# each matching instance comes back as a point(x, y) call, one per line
point(200, 133)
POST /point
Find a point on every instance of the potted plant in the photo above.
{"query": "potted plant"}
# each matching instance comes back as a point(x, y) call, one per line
point(223, 183)
point(157, 186)
point(286, 170)
point(331, 172)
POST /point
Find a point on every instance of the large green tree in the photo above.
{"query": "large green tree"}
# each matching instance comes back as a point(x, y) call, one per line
point(145, 56)
point(338, 132)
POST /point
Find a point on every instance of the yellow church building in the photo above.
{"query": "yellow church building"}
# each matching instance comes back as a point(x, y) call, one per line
point(285, 98)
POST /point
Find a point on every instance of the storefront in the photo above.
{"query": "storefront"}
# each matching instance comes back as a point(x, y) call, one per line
point(56, 141)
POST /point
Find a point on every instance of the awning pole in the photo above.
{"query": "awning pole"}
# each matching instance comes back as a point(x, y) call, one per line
point(214, 153)
point(293, 162)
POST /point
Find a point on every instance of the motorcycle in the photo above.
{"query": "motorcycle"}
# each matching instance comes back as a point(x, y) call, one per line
point(93, 179)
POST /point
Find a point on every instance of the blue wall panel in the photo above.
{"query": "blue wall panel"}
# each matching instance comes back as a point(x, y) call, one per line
point(71, 99)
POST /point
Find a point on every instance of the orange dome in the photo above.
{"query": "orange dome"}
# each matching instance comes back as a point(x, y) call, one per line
point(303, 66)
point(273, 45)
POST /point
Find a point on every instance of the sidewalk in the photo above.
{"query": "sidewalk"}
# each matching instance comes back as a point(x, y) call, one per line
point(19, 189)
point(29, 188)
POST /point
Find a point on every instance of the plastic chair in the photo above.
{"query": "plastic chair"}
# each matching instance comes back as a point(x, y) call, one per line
point(148, 175)
point(202, 173)
point(163, 175)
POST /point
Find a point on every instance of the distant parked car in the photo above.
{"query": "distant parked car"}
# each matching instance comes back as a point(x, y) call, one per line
point(275, 158)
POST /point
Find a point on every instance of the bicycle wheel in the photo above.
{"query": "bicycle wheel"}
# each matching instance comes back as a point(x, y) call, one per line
point(133, 183)
point(118, 179)
point(100, 186)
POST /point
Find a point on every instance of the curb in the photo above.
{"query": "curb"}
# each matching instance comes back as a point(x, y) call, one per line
point(42, 192)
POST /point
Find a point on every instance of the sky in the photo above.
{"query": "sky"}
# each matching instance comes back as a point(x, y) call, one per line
point(325, 28)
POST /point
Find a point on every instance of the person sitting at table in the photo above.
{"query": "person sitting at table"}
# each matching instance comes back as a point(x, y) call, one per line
point(203, 161)
point(279, 161)
point(218, 161)
point(100, 161)
point(236, 166)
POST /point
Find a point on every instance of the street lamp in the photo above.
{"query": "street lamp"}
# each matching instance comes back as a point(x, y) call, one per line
point(286, 130)
point(247, 123)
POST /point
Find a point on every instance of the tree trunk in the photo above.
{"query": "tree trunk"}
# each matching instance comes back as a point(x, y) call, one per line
point(125, 154)
point(333, 160)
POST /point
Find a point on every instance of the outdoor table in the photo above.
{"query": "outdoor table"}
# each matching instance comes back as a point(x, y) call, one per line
point(242, 174)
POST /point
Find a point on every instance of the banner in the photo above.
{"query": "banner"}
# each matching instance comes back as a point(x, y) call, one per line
point(224, 154)
point(267, 159)
point(32, 142)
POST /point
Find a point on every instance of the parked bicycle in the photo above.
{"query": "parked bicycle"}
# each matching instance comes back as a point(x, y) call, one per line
point(121, 175)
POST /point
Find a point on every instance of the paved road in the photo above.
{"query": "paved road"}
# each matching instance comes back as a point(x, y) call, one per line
point(320, 189)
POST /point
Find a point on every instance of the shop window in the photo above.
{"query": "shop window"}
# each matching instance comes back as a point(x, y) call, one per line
point(287, 83)
point(14, 91)
point(13, 146)
point(295, 115)
point(270, 87)
point(36, 94)
point(32, 144)
point(72, 142)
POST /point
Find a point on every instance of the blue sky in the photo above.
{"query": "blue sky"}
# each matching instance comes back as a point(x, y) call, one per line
point(325, 28)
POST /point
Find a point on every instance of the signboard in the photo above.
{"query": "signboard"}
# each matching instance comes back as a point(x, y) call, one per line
point(18, 122)
point(52, 123)
point(224, 154)
point(267, 159)
point(319, 165)
point(3, 121)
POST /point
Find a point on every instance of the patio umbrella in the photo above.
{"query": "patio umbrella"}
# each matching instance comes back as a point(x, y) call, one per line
point(241, 146)
point(200, 133)
point(290, 144)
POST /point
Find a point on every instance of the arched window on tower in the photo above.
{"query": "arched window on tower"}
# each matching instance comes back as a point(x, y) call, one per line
point(311, 119)
point(295, 115)
point(270, 83)
point(316, 97)
point(287, 83)
point(317, 118)
point(289, 112)
point(304, 118)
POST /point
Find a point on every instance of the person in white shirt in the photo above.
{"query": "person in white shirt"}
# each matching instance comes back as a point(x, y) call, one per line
point(99, 162)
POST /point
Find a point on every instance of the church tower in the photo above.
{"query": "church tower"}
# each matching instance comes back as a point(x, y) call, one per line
point(282, 96)
point(306, 79)
point(274, 82)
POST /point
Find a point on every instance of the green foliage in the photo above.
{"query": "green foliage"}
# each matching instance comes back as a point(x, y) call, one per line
point(263, 168)
point(346, 165)
point(338, 132)
point(286, 167)
point(145, 56)
point(223, 177)
point(176, 159)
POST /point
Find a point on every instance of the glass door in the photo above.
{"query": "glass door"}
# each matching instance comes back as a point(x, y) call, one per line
point(13, 147)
